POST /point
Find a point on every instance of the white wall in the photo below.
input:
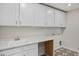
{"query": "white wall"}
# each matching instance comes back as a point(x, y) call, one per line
point(71, 34)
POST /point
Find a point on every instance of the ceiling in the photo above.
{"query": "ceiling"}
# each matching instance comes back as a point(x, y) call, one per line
point(64, 6)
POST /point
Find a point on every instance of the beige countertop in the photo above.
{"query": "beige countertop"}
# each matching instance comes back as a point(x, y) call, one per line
point(24, 41)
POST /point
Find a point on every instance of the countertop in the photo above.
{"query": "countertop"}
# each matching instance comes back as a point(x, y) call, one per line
point(24, 41)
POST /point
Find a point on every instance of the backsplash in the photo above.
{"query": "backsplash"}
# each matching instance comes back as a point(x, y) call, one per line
point(24, 32)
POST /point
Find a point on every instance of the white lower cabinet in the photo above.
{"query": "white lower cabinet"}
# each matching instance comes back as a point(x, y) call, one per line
point(27, 50)
point(30, 52)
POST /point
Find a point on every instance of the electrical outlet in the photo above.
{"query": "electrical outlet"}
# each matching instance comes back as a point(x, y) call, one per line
point(53, 34)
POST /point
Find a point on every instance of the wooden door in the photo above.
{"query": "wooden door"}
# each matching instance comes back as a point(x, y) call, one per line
point(49, 48)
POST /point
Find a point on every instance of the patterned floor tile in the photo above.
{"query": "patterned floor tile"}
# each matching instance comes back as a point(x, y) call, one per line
point(65, 52)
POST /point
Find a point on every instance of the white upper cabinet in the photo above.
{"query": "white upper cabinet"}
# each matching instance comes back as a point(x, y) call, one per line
point(27, 13)
point(8, 14)
point(36, 15)
point(49, 17)
point(32, 14)
point(60, 18)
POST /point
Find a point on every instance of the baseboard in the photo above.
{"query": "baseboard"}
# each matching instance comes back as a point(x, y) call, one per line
point(71, 49)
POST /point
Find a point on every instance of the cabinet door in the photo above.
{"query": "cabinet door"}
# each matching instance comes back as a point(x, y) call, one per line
point(35, 15)
point(60, 18)
point(27, 50)
point(44, 16)
point(31, 52)
point(26, 14)
point(8, 14)
point(49, 21)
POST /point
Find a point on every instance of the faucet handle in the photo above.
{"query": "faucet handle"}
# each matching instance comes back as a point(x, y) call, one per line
point(17, 38)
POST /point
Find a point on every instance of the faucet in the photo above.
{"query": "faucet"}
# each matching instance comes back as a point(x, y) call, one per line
point(17, 38)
